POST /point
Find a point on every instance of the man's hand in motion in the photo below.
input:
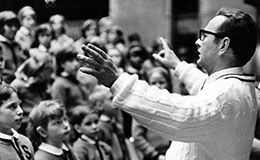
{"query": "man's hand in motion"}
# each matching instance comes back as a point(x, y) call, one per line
point(97, 63)
point(166, 56)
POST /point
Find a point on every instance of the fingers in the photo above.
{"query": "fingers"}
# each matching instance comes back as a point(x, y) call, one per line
point(159, 56)
point(165, 45)
point(89, 62)
point(101, 52)
point(88, 71)
point(92, 51)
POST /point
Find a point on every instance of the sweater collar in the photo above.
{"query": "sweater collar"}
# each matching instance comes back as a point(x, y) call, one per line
point(9, 137)
point(52, 149)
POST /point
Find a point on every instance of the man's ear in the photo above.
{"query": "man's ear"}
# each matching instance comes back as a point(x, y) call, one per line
point(225, 44)
point(41, 131)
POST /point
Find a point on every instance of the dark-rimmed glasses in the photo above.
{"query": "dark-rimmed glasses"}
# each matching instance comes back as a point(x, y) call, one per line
point(203, 32)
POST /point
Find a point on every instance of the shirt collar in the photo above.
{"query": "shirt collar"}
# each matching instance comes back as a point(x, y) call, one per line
point(42, 48)
point(9, 137)
point(52, 149)
point(221, 73)
point(85, 138)
point(24, 30)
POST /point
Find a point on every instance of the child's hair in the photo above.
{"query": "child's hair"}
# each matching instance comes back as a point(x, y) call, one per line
point(164, 72)
point(40, 116)
point(64, 55)
point(138, 50)
point(7, 17)
point(61, 19)
point(78, 114)
point(44, 28)
point(26, 10)
point(6, 92)
point(86, 26)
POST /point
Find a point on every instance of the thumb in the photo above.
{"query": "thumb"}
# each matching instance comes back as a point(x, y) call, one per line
point(158, 57)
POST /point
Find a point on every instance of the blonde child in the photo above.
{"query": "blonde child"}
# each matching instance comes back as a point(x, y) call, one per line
point(13, 146)
point(84, 120)
point(27, 18)
point(49, 130)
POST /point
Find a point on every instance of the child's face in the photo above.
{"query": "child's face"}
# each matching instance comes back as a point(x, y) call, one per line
point(28, 21)
point(71, 66)
point(11, 114)
point(89, 126)
point(45, 39)
point(57, 131)
point(156, 79)
point(115, 55)
point(10, 29)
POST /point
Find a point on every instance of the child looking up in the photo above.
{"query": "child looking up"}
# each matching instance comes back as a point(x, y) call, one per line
point(13, 146)
point(84, 120)
point(49, 130)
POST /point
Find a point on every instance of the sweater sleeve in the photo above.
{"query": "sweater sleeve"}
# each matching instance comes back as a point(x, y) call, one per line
point(177, 117)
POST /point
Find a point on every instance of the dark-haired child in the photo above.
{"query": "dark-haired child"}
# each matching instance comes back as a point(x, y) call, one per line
point(13, 146)
point(84, 120)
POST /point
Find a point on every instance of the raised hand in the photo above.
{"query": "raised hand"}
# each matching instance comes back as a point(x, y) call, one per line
point(166, 56)
point(97, 63)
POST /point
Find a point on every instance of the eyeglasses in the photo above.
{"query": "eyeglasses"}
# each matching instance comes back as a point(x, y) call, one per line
point(203, 32)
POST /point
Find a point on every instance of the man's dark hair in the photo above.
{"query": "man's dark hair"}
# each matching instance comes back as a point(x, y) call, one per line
point(241, 30)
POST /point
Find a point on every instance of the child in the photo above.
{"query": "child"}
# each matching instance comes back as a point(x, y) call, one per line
point(13, 146)
point(84, 120)
point(27, 18)
point(151, 145)
point(31, 83)
point(48, 130)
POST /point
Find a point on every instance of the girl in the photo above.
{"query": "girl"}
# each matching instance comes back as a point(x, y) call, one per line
point(84, 120)
point(49, 130)
point(27, 18)
point(117, 57)
point(152, 146)
point(13, 146)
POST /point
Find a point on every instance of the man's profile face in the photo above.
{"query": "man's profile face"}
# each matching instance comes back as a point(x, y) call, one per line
point(208, 48)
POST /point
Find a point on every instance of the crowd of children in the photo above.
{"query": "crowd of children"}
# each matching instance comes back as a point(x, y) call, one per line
point(65, 114)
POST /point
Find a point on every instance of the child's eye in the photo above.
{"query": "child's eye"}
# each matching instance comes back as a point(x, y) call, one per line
point(13, 106)
point(88, 123)
point(96, 121)
point(57, 122)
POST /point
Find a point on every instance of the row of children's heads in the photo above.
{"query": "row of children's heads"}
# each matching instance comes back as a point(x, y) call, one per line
point(27, 18)
point(49, 123)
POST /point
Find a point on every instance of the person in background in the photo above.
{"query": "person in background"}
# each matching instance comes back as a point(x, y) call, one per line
point(217, 121)
point(150, 144)
point(66, 88)
point(31, 82)
point(136, 56)
point(84, 120)
point(104, 26)
point(49, 131)
point(117, 57)
point(13, 53)
point(134, 39)
point(24, 36)
point(89, 29)
point(2, 61)
point(61, 38)
point(13, 146)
